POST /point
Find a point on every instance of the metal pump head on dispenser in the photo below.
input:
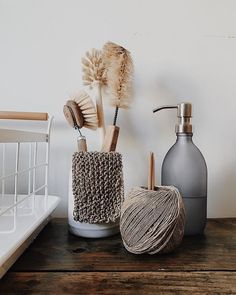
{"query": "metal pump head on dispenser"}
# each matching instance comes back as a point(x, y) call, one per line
point(184, 114)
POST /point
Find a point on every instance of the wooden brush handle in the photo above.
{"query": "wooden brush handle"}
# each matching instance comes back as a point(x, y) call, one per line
point(23, 116)
point(100, 112)
point(111, 138)
point(151, 174)
point(82, 144)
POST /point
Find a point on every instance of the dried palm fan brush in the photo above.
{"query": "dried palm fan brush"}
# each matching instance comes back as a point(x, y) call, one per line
point(94, 77)
point(119, 73)
point(80, 112)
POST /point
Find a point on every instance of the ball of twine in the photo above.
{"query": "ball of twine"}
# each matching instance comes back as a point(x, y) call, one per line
point(152, 221)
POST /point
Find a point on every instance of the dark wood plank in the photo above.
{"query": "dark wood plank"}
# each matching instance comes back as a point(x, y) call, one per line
point(56, 249)
point(119, 283)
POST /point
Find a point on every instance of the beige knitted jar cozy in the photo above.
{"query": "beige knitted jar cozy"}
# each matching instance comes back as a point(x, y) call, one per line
point(97, 184)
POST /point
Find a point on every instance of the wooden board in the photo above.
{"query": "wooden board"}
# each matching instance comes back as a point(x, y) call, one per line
point(120, 283)
point(56, 249)
point(60, 263)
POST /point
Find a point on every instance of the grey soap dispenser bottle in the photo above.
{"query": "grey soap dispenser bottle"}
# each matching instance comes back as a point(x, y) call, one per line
point(184, 167)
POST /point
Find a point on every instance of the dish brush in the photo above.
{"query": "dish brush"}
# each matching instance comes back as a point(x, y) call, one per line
point(119, 73)
point(80, 112)
point(94, 77)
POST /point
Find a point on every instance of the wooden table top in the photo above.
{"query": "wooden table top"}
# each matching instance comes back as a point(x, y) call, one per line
point(60, 263)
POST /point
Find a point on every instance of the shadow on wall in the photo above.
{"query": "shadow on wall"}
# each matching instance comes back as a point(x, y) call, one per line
point(222, 184)
point(142, 131)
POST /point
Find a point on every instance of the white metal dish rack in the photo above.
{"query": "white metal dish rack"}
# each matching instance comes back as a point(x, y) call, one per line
point(23, 215)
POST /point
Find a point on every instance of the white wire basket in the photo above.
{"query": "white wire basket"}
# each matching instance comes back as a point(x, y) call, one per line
point(25, 205)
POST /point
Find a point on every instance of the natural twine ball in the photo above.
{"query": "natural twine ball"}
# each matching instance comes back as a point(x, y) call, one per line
point(152, 221)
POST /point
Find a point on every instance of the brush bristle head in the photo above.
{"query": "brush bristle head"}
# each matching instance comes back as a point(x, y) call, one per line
point(119, 73)
point(87, 108)
point(93, 68)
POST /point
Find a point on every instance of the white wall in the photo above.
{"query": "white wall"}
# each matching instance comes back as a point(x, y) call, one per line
point(182, 51)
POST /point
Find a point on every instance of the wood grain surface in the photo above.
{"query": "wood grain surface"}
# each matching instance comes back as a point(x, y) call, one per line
point(56, 249)
point(120, 283)
point(60, 263)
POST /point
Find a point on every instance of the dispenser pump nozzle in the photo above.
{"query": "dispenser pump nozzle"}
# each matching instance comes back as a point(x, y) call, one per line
point(184, 114)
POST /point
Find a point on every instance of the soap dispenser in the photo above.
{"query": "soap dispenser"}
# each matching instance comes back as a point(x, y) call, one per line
point(184, 167)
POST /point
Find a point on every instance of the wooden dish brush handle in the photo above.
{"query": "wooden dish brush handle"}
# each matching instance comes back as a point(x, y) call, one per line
point(100, 111)
point(111, 138)
point(82, 144)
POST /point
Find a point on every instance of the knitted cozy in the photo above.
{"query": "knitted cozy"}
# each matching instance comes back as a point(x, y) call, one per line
point(97, 183)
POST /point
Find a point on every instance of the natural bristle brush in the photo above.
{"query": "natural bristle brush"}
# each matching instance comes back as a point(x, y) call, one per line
point(87, 109)
point(80, 112)
point(94, 77)
point(119, 73)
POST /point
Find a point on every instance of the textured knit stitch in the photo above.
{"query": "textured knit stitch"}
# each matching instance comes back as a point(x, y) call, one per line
point(97, 183)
